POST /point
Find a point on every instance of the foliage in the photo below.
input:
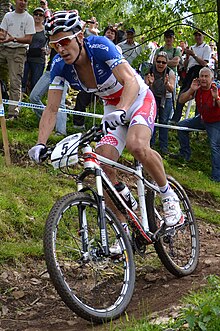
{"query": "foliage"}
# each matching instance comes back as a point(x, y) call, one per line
point(28, 191)
point(201, 310)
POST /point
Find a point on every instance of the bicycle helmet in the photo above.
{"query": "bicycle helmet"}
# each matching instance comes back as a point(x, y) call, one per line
point(63, 21)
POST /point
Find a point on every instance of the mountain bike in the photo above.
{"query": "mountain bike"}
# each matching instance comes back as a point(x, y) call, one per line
point(80, 231)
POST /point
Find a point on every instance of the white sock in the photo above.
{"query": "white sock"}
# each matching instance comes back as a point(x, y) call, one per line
point(126, 228)
point(167, 191)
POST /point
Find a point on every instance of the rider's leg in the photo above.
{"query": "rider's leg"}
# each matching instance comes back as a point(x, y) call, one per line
point(138, 143)
point(111, 153)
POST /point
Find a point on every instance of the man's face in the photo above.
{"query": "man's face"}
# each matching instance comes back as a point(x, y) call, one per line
point(20, 5)
point(42, 4)
point(205, 79)
point(169, 40)
point(130, 38)
point(199, 38)
point(66, 45)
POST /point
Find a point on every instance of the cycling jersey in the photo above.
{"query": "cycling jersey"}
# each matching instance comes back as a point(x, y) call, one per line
point(104, 56)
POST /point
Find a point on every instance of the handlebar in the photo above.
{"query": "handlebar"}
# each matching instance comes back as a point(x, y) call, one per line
point(94, 134)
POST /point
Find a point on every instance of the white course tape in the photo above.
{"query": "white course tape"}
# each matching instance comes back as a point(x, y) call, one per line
point(75, 112)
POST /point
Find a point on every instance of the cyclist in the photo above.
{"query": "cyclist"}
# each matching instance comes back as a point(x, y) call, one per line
point(95, 65)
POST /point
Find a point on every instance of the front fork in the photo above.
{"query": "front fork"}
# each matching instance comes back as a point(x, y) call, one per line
point(101, 217)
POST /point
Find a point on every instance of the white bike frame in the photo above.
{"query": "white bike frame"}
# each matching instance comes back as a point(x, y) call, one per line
point(93, 161)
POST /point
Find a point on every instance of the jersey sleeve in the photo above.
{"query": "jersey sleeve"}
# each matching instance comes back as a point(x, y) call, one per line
point(56, 79)
point(105, 50)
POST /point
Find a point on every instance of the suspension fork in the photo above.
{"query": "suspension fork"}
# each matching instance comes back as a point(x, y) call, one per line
point(99, 197)
point(101, 212)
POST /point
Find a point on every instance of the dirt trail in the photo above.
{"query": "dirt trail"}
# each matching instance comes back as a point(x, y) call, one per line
point(28, 301)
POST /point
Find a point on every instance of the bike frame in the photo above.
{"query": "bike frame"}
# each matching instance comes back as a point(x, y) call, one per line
point(92, 163)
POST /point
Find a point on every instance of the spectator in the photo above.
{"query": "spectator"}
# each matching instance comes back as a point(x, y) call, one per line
point(197, 57)
point(92, 28)
point(213, 61)
point(173, 53)
point(110, 32)
point(130, 48)
point(174, 56)
point(16, 31)
point(181, 68)
point(47, 11)
point(207, 97)
point(161, 81)
point(35, 63)
point(120, 32)
point(41, 88)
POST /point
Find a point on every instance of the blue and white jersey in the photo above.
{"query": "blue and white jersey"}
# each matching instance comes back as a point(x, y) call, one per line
point(104, 56)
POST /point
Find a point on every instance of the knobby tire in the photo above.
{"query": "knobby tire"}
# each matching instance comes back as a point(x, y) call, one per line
point(100, 288)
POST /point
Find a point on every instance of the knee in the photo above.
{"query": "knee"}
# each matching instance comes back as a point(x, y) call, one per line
point(34, 98)
point(139, 150)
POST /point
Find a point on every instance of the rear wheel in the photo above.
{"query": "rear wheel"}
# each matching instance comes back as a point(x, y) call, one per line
point(96, 287)
point(178, 249)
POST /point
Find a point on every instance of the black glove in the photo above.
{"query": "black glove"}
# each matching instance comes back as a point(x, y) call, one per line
point(114, 119)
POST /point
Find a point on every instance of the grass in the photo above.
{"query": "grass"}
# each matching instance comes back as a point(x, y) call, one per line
point(200, 312)
point(28, 191)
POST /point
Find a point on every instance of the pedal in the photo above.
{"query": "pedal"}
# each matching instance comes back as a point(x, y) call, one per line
point(160, 232)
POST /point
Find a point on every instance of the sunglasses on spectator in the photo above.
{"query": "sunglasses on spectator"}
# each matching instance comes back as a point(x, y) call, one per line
point(65, 41)
point(38, 14)
point(161, 62)
point(42, 3)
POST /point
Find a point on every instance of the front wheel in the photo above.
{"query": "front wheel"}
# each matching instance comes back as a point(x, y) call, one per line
point(96, 287)
point(178, 250)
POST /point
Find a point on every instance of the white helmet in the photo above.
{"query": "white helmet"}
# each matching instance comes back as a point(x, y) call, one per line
point(63, 21)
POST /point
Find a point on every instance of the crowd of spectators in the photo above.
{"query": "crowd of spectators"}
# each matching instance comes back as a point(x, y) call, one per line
point(170, 67)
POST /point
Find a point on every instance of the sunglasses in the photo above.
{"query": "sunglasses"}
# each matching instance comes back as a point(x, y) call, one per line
point(38, 14)
point(65, 41)
point(161, 62)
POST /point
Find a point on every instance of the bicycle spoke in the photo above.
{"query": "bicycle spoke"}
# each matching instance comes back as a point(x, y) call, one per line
point(87, 280)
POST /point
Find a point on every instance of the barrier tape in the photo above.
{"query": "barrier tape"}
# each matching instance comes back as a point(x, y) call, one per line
point(75, 112)
point(2, 113)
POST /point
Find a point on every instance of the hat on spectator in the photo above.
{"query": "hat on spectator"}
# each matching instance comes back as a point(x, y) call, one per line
point(38, 9)
point(131, 30)
point(163, 54)
point(43, 1)
point(169, 33)
point(197, 32)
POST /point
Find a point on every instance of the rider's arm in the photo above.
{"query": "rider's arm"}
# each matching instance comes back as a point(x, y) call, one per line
point(48, 119)
point(126, 77)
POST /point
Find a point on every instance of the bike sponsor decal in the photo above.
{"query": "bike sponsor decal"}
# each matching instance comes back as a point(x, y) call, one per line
point(103, 235)
point(100, 46)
